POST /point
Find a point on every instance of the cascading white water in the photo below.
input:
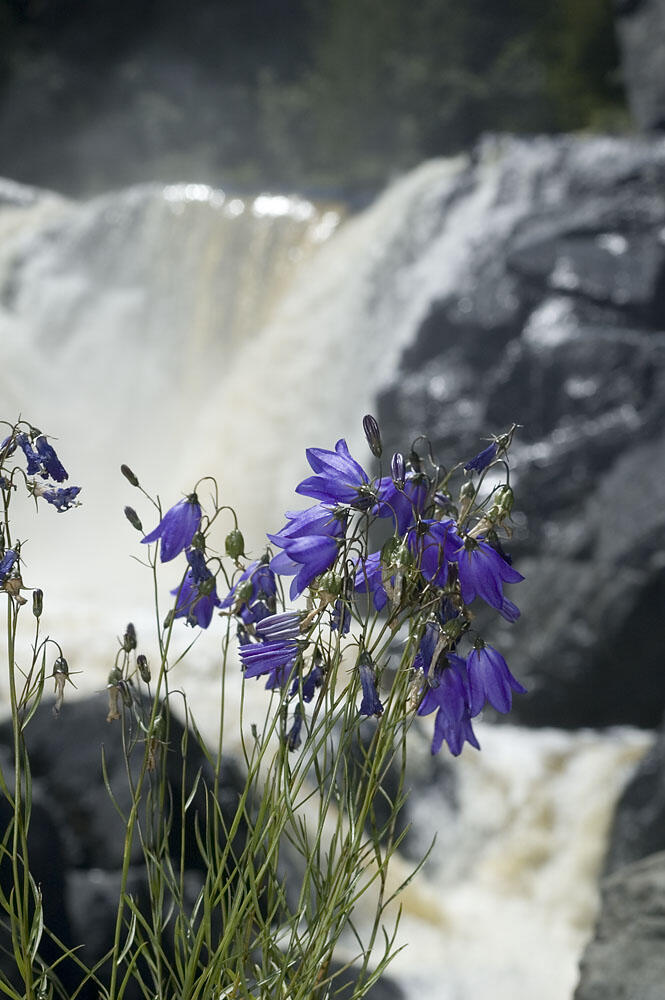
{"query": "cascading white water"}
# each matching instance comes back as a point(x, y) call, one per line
point(187, 333)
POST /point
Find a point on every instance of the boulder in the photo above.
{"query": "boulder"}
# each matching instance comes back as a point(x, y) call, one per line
point(626, 959)
point(558, 324)
point(640, 28)
point(638, 826)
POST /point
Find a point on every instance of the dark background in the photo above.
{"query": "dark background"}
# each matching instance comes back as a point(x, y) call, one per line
point(332, 96)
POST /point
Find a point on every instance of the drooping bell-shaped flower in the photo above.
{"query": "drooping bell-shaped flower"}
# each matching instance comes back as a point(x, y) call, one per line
point(197, 597)
point(403, 503)
point(490, 680)
point(31, 456)
point(51, 464)
point(369, 579)
point(447, 693)
point(253, 594)
point(62, 498)
point(428, 542)
point(482, 572)
point(177, 528)
point(6, 564)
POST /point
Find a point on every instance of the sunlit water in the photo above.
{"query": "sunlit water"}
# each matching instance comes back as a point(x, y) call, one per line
point(188, 333)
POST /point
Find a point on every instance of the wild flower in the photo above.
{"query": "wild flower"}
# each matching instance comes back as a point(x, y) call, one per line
point(490, 680)
point(273, 658)
point(197, 595)
point(61, 498)
point(253, 594)
point(481, 571)
point(177, 528)
point(371, 703)
point(339, 478)
point(482, 459)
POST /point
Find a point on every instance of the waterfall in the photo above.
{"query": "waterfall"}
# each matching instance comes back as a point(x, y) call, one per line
point(187, 332)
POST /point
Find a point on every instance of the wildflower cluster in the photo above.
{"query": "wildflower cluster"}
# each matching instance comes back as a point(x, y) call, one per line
point(42, 463)
point(440, 556)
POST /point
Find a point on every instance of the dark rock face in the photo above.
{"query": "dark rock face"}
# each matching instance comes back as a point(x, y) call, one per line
point(641, 34)
point(626, 958)
point(76, 836)
point(559, 324)
point(638, 828)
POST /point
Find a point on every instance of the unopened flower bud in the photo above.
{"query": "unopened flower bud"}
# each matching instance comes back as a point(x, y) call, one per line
point(133, 518)
point(373, 435)
point(114, 677)
point(60, 675)
point(244, 591)
point(129, 638)
point(159, 728)
point(329, 584)
point(144, 669)
point(37, 602)
point(206, 586)
point(397, 470)
point(235, 544)
point(129, 475)
point(61, 667)
point(505, 499)
point(198, 541)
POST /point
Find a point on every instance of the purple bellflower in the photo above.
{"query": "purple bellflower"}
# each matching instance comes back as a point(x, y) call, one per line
point(401, 504)
point(483, 458)
point(446, 693)
point(253, 593)
point(339, 478)
point(177, 528)
point(32, 457)
point(490, 680)
point(282, 626)
point(482, 573)
point(6, 563)
point(428, 542)
point(369, 578)
point(293, 740)
point(370, 704)
point(340, 619)
point(51, 464)
point(311, 541)
point(62, 498)
point(310, 683)
point(273, 658)
point(197, 597)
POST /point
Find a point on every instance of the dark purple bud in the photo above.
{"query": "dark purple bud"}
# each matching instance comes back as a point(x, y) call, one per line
point(293, 740)
point(129, 638)
point(37, 602)
point(133, 518)
point(373, 435)
point(397, 470)
point(235, 544)
point(370, 704)
point(483, 459)
point(129, 475)
point(144, 669)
